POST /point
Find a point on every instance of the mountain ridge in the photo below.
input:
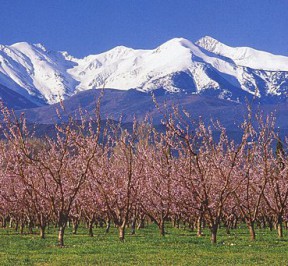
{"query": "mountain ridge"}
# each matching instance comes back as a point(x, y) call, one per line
point(245, 56)
point(206, 67)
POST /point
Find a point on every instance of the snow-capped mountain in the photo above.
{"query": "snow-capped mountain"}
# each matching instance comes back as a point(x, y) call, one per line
point(245, 56)
point(36, 73)
point(207, 67)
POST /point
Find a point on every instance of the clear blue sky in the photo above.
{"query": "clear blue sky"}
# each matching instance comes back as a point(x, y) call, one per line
point(83, 27)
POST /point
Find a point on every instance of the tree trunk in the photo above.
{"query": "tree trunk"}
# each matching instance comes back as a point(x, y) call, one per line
point(11, 223)
point(263, 222)
point(61, 235)
point(174, 221)
point(251, 228)
point(270, 224)
point(43, 224)
point(121, 230)
point(214, 229)
point(16, 225)
point(235, 223)
point(162, 227)
point(22, 228)
point(30, 226)
point(133, 226)
point(75, 226)
point(42, 231)
point(141, 223)
point(62, 223)
point(191, 225)
point(108, 224)
point(199, 226)
point(280, 226)
point(4, 222)
point(90, 226)
point(101, 223)
point(228, 228)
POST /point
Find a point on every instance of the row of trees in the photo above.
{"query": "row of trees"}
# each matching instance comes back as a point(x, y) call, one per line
point(100, 172)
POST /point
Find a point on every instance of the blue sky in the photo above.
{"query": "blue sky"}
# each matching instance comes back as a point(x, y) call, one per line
point(84, 27)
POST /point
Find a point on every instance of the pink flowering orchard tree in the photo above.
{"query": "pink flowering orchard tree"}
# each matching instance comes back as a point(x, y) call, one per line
point(207, 173)
point(208, 168)
point(276, 192)
point(19, 176)
point(13, 198)
point(255, 170)
point(156, 198)
point(27, 184)
point(116, 176)
point(90, 173)
point(90, 205)
point(4, 209)
point(60, 168)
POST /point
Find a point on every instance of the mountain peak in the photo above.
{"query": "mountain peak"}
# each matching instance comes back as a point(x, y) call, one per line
point(41, 46)
point(116, 52)
point(120, 49)
point(68, 57)
point(21, 45)
point(245, 56)
point(208, 43)
point(25, 46)
point(177, 42)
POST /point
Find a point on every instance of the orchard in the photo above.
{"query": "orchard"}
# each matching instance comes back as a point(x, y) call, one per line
point(97, 173)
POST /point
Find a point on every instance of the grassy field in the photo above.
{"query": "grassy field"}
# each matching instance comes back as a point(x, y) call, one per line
point(178, 247)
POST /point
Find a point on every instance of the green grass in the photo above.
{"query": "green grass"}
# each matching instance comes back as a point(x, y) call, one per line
point(178, 247)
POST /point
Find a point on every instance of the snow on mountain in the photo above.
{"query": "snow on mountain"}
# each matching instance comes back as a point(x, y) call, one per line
point(245, 56)
point(124, 68)
point(207, 67)
point(35, 73)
